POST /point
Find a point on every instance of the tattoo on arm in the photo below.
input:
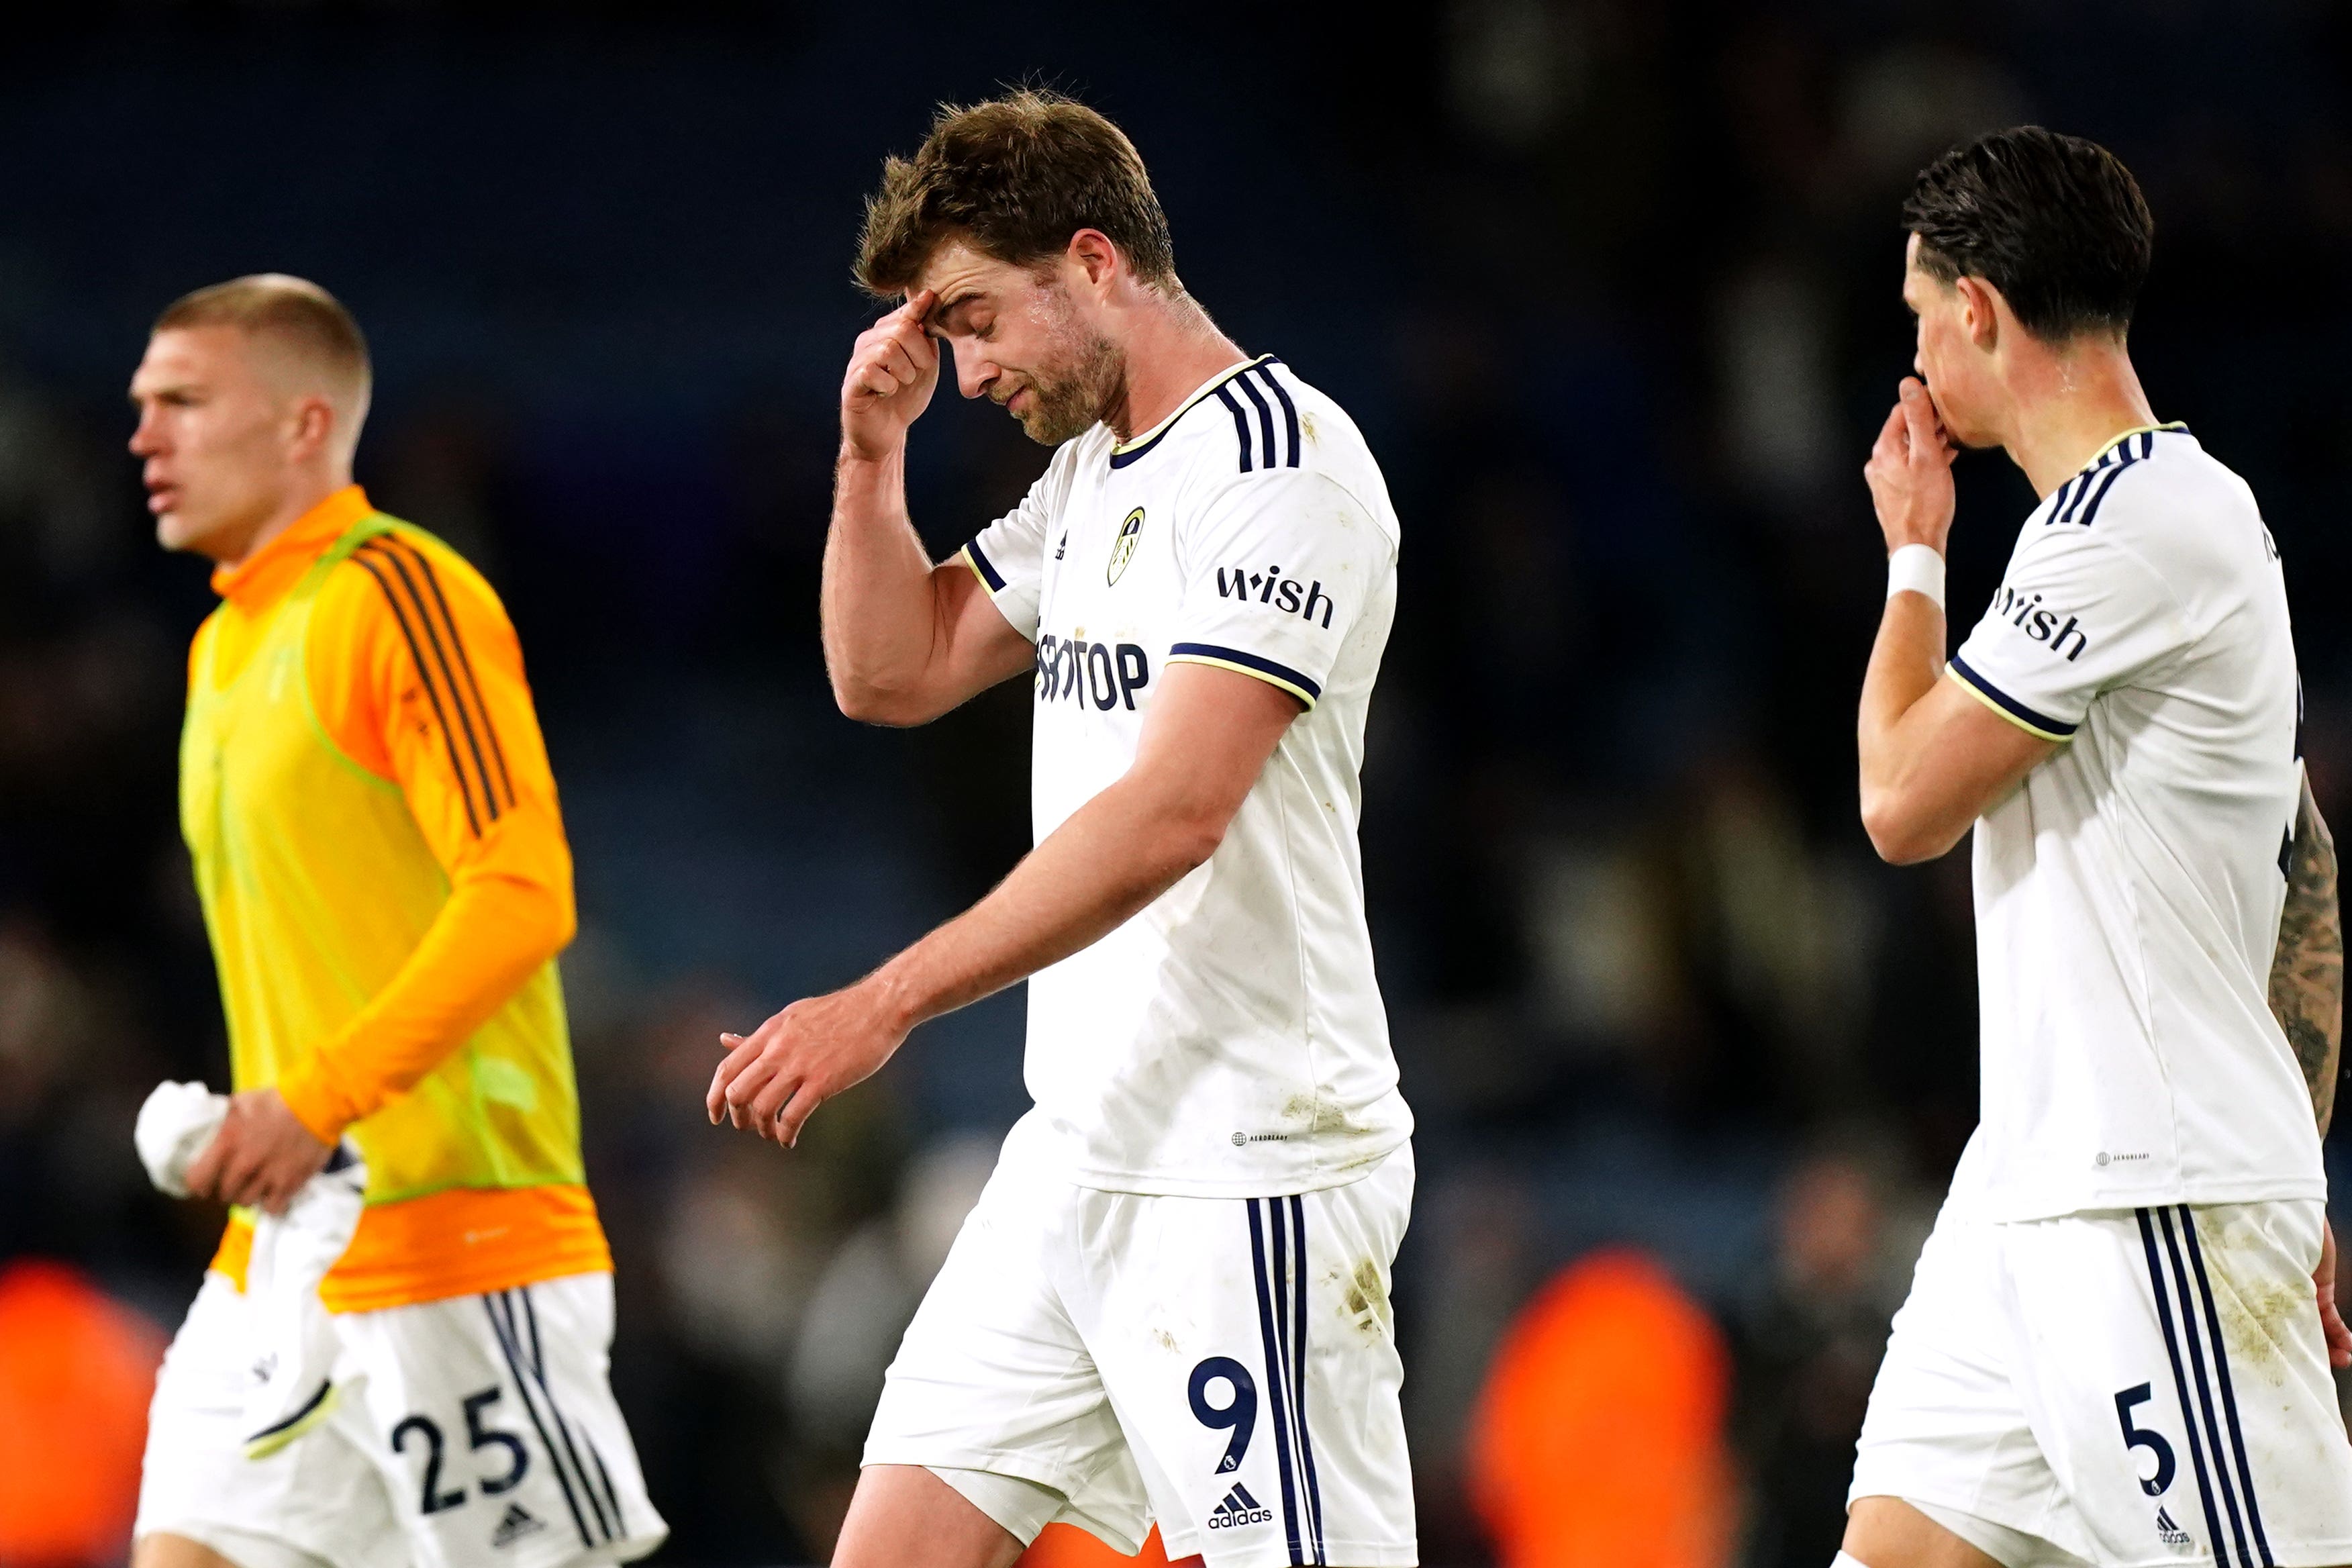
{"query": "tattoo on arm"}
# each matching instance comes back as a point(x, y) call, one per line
point(2307, 975)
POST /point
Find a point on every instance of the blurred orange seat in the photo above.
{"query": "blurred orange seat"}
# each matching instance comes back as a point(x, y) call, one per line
point(1598, 1438)
point(77, 1369)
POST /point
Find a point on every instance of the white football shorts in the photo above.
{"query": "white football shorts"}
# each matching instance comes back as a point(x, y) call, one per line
point(1226, 1367)
point(2129, 1387)
point(469, 1432)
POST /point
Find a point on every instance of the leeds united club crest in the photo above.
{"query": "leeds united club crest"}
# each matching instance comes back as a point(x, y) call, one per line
point(1122, 549)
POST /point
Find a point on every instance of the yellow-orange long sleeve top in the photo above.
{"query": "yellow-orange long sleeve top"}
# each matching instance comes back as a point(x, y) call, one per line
point(389, 967)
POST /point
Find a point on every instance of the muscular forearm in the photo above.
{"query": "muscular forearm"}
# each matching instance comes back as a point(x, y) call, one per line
point(1906, 662)
point(879, 614)
point(491, 936)
point(2307, 975)
point(1114, 855)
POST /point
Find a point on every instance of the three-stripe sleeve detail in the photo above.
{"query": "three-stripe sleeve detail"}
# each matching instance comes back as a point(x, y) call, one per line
point(2079, 499)
point(1261, 444)
point(1265, 419)
point(2187, 1342)
point(1289, 414)
point(1241, 424)
point(438, 650)
point(1277, 1229)
point(466, 672)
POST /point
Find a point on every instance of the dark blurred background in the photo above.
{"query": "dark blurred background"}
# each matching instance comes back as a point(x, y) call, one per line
point(1611, 286)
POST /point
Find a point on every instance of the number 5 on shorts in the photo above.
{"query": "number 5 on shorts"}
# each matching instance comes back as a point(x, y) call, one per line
point(2142, 1437)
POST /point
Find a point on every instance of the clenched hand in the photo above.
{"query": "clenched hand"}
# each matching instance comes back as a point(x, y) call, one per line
point(893, 371)
point(261, 1155)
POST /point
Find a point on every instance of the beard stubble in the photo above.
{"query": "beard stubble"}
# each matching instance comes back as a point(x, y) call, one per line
point(1071, 401)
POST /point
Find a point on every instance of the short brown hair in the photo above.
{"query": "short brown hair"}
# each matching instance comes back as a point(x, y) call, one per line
point(1015, 177)
point(2056, 223)
point(294, 311)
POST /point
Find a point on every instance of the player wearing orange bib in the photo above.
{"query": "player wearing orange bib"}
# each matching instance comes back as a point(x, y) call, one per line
point(376, 842)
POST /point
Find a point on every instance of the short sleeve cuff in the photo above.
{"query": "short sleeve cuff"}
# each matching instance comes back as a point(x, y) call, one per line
point(990, 577)
point(1298, 684)
point(2026, 719)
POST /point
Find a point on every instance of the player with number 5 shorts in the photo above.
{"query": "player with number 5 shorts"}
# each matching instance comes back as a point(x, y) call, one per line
point(2117, 1345)
point(385, 881)
point(1172, 1303)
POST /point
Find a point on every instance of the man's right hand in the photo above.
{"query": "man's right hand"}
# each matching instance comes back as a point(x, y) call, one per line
point(892, 374)
point(1910, 472)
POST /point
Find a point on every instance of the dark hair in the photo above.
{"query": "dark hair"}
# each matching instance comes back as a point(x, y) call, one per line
point(1015, 177)
point(294, 311)
point(2056, 223)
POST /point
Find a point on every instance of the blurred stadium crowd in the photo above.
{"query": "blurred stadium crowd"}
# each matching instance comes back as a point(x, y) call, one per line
point(1612, 287)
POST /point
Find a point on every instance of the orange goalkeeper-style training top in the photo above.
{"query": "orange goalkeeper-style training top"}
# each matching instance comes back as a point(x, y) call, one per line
point(373, 826)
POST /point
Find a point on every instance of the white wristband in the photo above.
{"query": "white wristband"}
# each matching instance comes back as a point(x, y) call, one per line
point(1916, 569)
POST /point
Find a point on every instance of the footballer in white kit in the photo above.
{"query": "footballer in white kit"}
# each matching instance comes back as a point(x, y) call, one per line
point(1170, 1305)
point(2117, 1342)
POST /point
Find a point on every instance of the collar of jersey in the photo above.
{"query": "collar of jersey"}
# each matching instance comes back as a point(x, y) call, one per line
point(2174, 425)
point(279, 565)
point(1127, 452)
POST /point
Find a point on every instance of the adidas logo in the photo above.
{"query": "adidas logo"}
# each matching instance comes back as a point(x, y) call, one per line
point(2168, 1532)
point(1239, 1508)
point(518, 1522)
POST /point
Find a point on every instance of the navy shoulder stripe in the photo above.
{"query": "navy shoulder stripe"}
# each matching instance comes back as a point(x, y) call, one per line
point(1264, 373)
point(2079, 499)
point(1222, 390)
point(1241, 424)
point(1265, 418)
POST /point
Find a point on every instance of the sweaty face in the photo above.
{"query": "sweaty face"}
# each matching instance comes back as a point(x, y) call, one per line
point(213, 435)
point(1019, 340)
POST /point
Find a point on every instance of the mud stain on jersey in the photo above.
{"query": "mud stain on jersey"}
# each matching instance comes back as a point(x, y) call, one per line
point(1320, 1116)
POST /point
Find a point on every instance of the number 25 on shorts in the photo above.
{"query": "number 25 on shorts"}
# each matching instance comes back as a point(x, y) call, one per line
point(433, 1499)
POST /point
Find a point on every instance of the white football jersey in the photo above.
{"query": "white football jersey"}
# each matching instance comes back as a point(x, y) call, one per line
point(1229, 1040)
point(2128, 893)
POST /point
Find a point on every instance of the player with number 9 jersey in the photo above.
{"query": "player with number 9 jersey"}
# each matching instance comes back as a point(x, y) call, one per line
point(1170, 1305)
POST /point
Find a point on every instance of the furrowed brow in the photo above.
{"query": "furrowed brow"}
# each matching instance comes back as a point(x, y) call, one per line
point(946, 315)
